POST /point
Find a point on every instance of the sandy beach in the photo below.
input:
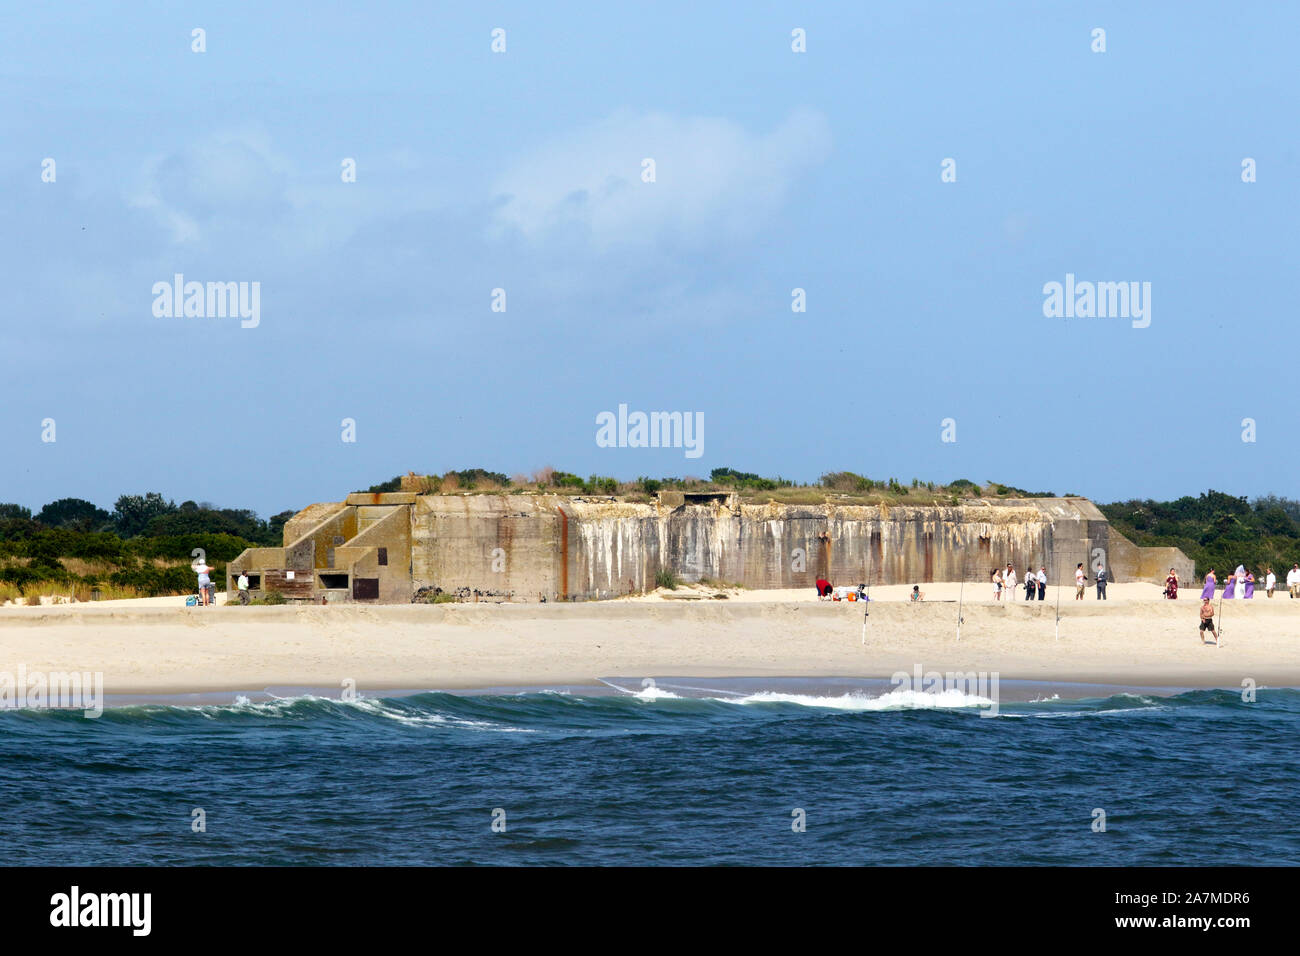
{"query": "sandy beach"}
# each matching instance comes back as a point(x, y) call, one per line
point(1134, 638)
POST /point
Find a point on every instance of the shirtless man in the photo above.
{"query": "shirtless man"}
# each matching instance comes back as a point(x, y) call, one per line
point(1207, 621)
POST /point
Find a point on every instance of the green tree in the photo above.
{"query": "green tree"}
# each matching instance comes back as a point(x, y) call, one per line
point(132, 513)
point(273, 537)
point(392, 484)
point(75, 513)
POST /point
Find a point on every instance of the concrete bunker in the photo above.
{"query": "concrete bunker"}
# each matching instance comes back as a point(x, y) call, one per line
point(389, 548)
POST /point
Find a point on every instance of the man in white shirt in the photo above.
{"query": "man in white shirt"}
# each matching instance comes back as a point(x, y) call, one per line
point(1293, 580)
point(1042, 583)
point(1080, 582)
point(1270, 582)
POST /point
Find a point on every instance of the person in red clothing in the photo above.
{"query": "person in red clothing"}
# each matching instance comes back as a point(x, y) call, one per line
point(823, 588)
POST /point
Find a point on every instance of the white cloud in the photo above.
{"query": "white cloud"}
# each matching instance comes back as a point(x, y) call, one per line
point(714, 179)
point(231, 174)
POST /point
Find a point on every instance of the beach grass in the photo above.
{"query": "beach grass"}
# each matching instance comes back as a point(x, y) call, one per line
point(667, 578)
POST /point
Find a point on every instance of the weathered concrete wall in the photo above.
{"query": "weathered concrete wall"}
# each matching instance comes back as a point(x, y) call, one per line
point(1154, 563)
point(567, 548)
point(534, 547)
point(381, 552)
point(775, 546)
point(312, 549)
point(492, 543)
point(310, 519)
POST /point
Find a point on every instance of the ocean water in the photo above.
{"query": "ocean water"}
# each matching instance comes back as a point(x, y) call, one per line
point(690, 772)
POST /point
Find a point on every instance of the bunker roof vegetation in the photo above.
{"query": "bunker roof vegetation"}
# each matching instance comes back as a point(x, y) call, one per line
point(840, 487)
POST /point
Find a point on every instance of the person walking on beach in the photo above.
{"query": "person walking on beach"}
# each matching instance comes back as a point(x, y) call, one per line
point(997, 584)
point(1030, 584)
point(1171, 585)
point(1101, 583)
point(1042, 583)
point(1207, 620)
point(1270, 582)
point(242, 584)
point(1207, 592)
point(1009, 582)
point(1293, 580)
point(1080, 582)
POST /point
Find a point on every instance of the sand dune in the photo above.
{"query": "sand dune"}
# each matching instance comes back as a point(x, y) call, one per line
point(1134, 638)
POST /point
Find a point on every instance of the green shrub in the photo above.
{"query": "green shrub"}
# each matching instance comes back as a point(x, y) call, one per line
point(392, 484)
point(154, 581)
point(666, 578)
point(846, 481)
point(746, 480)
point(216, 547)
point(18, 529)
point(471, 478)
point(19, 575)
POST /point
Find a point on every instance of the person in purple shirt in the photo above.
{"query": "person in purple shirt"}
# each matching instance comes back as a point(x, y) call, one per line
point(1250, 585)
point(1210, 582)
point(1230, 588)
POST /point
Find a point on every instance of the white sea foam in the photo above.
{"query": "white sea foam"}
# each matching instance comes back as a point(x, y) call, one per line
point(388, 711)
point(897, 699)
point(373, 706)
point(655, 693)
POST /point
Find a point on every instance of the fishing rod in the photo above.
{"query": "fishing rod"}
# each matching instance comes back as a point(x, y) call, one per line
point(1056, 572)
point(960, 594)
point(866, 595)
point(1218, 638)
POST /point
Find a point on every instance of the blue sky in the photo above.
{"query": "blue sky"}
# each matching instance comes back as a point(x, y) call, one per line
point(522, 170)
